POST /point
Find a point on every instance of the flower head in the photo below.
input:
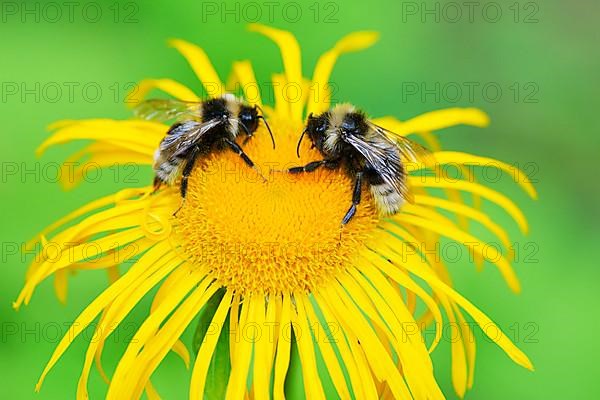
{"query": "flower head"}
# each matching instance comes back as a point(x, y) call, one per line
point(243, 252)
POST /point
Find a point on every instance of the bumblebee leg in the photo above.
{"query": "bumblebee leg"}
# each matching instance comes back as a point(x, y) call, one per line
point(157, 183)
point(355, 199)
point(239, 151)
point(312, 166)
point(187, 170)
point(248, 137)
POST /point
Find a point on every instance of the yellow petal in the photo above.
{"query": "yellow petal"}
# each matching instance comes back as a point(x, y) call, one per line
point(306, 351)
point(91, 206)
point(379, 361)
point(480, 318)
point(236, 387)
point(116, 312)
point(469, 343)
point(207, 349)
point(459, 359)
point(138, 136)
point(396, 317)
point(113, 274)
point(169, 86)
point(434, 145)
point(434, 120)
point(274, 317)
point(138, 361)
point(90, 159)
point(201, 65)
point(159, 345)
point(242, 74)
point(485, 192)
point(319, 97)
point(262, 354)
point(282, 359)
point(282, 106)
point(116, 257)
point(71, 255)
point(473, 243)
point(327, 351)
point(144, 267)
point(60, 285)
point(427, 213)
point(369, 383)
point(520, 177)
point(342, 338)
point(234, 315)
point(151, 392)
point(182, 351)
point(98, 363)
point(466, 211)
point(409, 345)
point(290, 54)
point(374, 274)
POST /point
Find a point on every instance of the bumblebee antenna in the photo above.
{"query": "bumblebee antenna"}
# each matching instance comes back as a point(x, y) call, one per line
point(269, 129)
point(266, 123)
point(300, 141)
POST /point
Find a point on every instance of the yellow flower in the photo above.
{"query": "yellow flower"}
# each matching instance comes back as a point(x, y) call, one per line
point(270, 256)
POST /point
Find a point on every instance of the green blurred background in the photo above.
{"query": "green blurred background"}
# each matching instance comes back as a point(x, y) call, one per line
point(542, 56)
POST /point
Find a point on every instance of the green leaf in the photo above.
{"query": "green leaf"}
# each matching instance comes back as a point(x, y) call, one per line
point(220, 363)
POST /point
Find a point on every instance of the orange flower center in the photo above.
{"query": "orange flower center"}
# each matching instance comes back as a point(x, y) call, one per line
point(284, 235)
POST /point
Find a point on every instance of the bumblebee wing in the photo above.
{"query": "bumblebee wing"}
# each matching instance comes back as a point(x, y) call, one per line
point(411, 151)
point(384, 157)
point(168, 109)
point(185, 135)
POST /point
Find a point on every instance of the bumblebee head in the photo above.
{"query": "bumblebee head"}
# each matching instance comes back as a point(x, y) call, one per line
point(248, 117)
point(316, 127)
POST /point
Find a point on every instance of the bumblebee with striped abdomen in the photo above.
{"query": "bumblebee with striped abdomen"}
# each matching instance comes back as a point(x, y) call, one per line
point(369, 153)
point(199, 129)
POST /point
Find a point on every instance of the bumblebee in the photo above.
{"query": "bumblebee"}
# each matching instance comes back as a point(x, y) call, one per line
point(200, 128)
point(370, 154)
